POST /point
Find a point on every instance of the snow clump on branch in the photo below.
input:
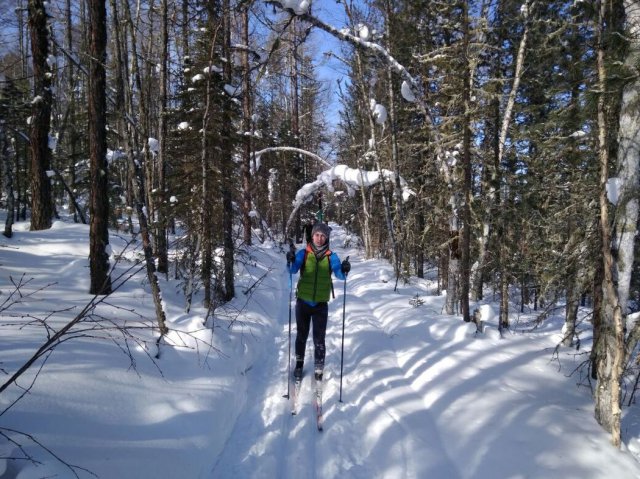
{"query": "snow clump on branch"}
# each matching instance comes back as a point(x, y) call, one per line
point(407, 92)
point(353, 178)
point(363, 31)
point(379, 112)
point(298, 6)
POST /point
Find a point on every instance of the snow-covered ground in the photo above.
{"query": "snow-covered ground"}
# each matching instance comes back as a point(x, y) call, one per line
point(423, 395)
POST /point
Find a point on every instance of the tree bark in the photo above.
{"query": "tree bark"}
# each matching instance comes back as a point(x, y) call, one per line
point(136, 179)
point(465, 247)
point(41, 202)
point(626, 218)
point(228, 173)
point(161, 198)
point(609, 348)
point(99, 194)
point(6, 159)
point(246, 123)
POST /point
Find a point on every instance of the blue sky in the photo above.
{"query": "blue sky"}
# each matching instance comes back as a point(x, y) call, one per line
point(329, 68)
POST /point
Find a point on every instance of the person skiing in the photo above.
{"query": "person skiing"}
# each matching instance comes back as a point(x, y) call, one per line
point(316, 262)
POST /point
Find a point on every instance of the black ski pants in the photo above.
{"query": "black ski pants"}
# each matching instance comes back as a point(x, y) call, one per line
point(305, 316)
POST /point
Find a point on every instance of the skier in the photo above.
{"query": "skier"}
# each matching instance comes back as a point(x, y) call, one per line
point(316, 263)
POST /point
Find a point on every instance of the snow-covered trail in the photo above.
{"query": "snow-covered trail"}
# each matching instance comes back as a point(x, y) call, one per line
point(255, 446)
point(393, 423)
point(267, 441)
point(381, 415)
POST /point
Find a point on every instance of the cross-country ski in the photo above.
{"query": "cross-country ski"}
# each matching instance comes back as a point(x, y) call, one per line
point(297, 385)
point(318, 406)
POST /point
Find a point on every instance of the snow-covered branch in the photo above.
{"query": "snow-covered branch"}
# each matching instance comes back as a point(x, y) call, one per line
point(256, 155)
point(352, 178)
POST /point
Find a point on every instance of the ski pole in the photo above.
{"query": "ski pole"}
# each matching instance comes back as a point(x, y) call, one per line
point(344, 305)
point(289, 355)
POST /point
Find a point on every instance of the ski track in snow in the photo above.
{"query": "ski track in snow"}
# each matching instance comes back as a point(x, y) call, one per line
point(388, 402)
point(423, 394)
point(381, 412)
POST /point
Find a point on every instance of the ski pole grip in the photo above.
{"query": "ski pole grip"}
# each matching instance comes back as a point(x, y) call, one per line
point(346, 272)
point(292, 251)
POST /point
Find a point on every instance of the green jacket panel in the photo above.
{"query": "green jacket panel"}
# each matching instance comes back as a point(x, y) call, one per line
point(314, 284)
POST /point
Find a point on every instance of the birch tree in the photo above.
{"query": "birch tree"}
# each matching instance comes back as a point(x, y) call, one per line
point(628, 167)
point(610, 345)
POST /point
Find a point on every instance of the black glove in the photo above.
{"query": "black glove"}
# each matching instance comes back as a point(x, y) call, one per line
point(346, 267)
point(291, 255)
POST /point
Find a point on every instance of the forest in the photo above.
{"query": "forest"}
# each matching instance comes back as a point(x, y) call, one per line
point(496, 141)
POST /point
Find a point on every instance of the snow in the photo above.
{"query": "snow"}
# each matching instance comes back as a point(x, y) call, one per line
point(407, 92)
point(352, 178)
point(232, 90)
point(423, 394)
point(113, 155)
point(363, 32)
point(613, 187)
point(578, 134)
point(212, 69)
point(52, 142)
point(298, 6)
point(154, 145)
point(380, 114)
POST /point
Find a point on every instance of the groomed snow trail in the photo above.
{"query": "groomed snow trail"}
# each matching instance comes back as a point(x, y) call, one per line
point(381, 415)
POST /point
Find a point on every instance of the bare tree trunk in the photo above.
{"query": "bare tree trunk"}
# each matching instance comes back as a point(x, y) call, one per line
point(504, 299)
point(573, 288)
point(6, 159)
point(227, 201)
point(99, 201)
point(610, 346)
point(571, 313)
point(71, 136)
point(41, 203)
point(398, 244)
point(598, 279)
point(21, 155)
point(399, 224)
point(465, 253)
point(371, 146)
point(453, 267)
point(137, 188)
point(246, 122)
point(206, 189)
point(626, 218)
point(161, 222)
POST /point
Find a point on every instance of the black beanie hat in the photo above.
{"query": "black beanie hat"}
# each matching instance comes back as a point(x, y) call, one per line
point(321, 228)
